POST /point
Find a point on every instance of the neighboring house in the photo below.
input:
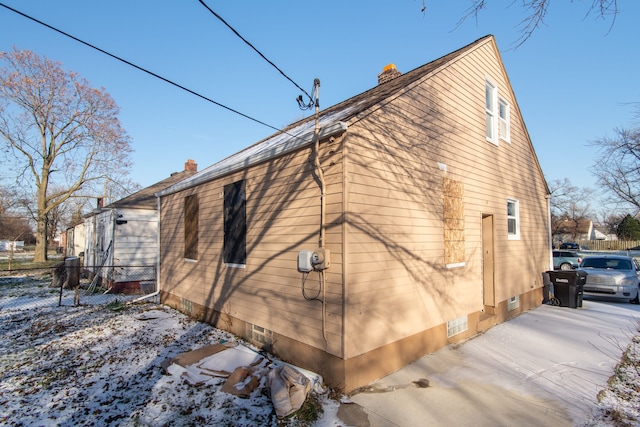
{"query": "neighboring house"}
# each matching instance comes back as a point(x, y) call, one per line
point(598, 235)
point(570, 230)
point(121, 239)
point(11, 245)
point(75, 244)
point(426, 223)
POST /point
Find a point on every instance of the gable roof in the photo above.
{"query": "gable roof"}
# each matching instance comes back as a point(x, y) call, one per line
point(146, 198)
point(567, 226)
point(332, 121)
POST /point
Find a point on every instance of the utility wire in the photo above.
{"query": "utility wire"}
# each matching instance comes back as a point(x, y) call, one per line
point(141, 69)
point(256, 50)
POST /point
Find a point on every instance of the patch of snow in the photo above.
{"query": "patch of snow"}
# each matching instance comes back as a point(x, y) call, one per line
point(70, 366)
point(87, 365)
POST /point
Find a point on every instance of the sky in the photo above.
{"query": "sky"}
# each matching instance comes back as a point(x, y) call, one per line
point(575, 79)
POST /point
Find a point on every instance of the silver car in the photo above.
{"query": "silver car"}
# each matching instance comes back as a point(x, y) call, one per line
point(612, 276)
point(565, 260)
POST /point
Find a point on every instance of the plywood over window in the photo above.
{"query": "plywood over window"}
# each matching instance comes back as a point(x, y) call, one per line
point(453, 192)
point(191, 227)
point(235, 224)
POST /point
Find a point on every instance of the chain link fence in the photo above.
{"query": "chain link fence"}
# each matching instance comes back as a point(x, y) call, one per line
point(71, 285)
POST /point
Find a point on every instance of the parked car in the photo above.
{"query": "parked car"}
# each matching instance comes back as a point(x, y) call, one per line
point(565, 260)
point(612, 276)
point(569, 245)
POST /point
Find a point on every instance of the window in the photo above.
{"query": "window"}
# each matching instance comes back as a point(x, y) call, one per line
point(513, 219)
point(491, 93)
point(191, 227)
point(504, 120)
point(235, 225)
point(453, 222)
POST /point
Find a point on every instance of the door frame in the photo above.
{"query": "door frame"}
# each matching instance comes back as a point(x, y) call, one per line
point(488, 261)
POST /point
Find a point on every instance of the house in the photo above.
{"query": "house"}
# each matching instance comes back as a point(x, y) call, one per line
point(75, 240)
point(417, 218)
point(121, 239)
point(11, 245)
point(568, 230)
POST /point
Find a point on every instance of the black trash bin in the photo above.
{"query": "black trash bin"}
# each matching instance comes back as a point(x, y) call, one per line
point(568, 287)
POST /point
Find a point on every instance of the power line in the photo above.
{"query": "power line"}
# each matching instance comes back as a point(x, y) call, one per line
point(257, 51)
point(140, 68)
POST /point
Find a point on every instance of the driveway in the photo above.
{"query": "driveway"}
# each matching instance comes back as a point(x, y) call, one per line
point(543, 368)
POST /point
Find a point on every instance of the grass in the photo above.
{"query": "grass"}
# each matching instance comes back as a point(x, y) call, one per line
point(310, 412)
point(26, 264)
point(116, 306)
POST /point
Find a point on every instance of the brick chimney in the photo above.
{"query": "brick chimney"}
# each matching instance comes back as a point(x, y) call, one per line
point(388, 73)
point(190, 165)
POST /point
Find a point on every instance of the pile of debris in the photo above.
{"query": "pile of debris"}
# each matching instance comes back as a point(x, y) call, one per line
point(244, 371)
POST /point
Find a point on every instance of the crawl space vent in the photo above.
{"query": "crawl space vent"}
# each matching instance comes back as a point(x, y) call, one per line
point(259, 335)
point(456, 326)
point(187, 306)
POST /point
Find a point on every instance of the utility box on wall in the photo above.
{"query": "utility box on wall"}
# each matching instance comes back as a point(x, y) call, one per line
point(317, 260)
point(304, 261)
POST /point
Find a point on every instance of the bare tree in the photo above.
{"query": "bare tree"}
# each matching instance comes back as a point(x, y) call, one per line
point(4, 200)
point(609, 221)
point(12, 223)
point(13, 227)
point(536, 13)
point(569, 206)
point(59, 133)
point(617, 166)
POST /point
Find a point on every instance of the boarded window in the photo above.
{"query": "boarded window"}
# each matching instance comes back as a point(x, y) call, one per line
point(235, 224)
point(453, 222)
point(191, 227)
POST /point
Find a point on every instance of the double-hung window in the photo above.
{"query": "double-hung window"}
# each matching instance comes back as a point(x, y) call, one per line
point(491, 101)
point(513, 219)
point(504, 120)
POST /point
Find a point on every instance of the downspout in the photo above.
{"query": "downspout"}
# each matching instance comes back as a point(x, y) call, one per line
point(157, 291)
point(323, 193)
point(158, 245)
point(550, 235)
point(319, 172)
point(113, 216)
point(345, 249)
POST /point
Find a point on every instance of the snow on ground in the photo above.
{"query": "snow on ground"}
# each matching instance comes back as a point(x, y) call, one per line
point(619, 404)
point(101, 365)
point(89, 365)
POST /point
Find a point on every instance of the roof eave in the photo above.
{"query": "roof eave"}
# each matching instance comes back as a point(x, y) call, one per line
point(244, 162)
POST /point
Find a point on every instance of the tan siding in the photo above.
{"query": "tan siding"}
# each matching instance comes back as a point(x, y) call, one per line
point(385, 221)
point(398, 284)
point(283, 214)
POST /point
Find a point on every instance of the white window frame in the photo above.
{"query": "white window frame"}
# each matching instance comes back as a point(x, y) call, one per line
point(491, 113)
point(515, 234)
point(504, 120)
point(513, 303)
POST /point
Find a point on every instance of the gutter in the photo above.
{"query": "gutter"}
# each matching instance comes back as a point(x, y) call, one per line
point(254, 155)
